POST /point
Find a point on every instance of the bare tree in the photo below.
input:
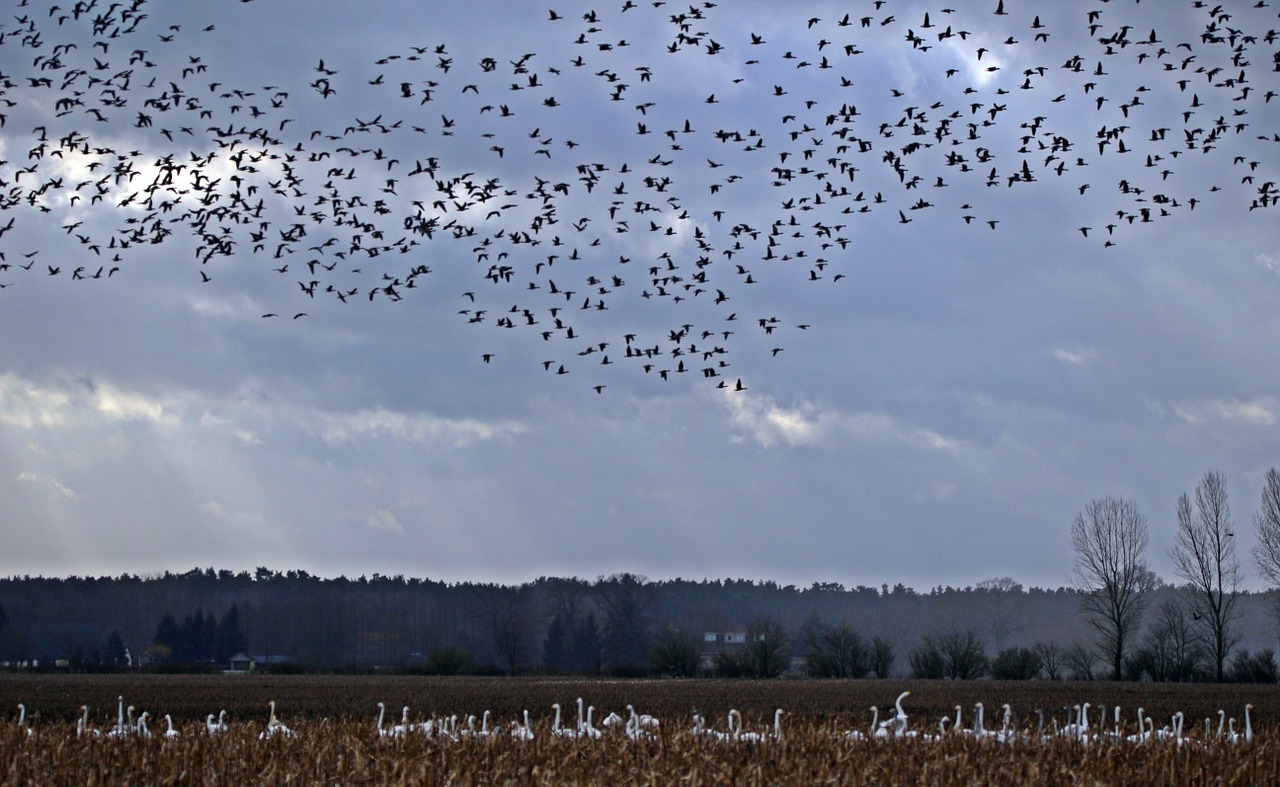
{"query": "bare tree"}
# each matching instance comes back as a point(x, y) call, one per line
point(1266, 521)
point(882, 656)
point(1052, 658)
point(1110, 540)
point(1204, 554)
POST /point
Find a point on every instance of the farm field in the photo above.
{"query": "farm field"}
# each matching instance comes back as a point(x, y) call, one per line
point(335, 739)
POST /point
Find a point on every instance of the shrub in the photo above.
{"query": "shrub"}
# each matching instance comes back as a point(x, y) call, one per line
point(1016, 663)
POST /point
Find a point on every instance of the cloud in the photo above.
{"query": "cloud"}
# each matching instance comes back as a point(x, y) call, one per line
point(1076, 356)
point(761, 419)
point(30, 404)
point(1228, 411)
point(60, 402)
point(49, 483)
point(384, 521)
point(380, 422)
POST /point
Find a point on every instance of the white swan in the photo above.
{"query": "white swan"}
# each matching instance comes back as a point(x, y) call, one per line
point(1141, 735)
point(82, 726)
point(22, 720)
point(642, 719)
point(120, 730)
point(141, 728)
point(522, 732)
point(404, 727)
point(978, 730)
point(1006, 734)
point(556, 729)
point(635, 732)
point(1248, 724)
point(383, 732)
point(216, 727)
point(859, 735)
point(274, 727)
point(942, 732)
point(899, 720)
point(758, 737)
point(589, 730)
point(170, 733)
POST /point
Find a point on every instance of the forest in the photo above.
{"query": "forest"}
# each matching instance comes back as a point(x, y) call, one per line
point(623, 625)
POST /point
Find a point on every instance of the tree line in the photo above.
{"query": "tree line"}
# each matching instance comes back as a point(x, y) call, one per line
point(1116, 620)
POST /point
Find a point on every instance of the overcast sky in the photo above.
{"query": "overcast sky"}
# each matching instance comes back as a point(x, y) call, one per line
point(973, 367)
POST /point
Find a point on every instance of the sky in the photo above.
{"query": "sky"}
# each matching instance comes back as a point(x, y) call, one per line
point(853, 327)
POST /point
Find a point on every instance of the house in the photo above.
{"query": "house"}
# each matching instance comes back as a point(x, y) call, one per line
point(716, 644)
point(241, 664)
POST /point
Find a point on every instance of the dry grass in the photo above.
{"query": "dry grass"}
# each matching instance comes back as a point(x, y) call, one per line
point(336, 742)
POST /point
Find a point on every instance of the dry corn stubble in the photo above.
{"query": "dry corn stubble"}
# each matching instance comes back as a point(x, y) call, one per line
point(336, 741)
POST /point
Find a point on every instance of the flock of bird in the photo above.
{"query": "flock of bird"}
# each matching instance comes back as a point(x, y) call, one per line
point(617, 197)
point(1109, 728)
point(1075, 729)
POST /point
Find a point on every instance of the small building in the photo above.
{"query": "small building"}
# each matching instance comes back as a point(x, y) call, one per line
point(716, 644)
point(242, 664)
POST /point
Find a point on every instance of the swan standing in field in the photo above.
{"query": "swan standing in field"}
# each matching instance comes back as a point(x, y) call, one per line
point(556, 729)
point(758, 737)
point(404, 727)
point(977, 730)
point(730, 730)
point(82, 726)
point(641, 719)
point(383, 732)
point(522, 732)
point(700, 730)
point(216, 727)
point(1248, 725)
point(899, 720)
point(141, 728)
point(941, 734)
point(22, 720)
point(1172, 732)
point(588, 729)
point(635, 732)
point(1006, 734)
point(170, 733)
point(1141, 735)
point(1233, 737)
point(120, 730)
point(274, 727)
point(859, 735)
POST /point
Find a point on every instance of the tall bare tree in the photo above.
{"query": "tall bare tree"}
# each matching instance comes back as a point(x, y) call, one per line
point(1110, 540)
point(1204, 554)
point(1266, 522)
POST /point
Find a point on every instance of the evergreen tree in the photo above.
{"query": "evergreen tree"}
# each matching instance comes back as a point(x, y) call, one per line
point(189, 638)
point(557, 647)
point(229, 639)
point(206, 648)
point(113, 650)
point(166, 639)
point(588, 651)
